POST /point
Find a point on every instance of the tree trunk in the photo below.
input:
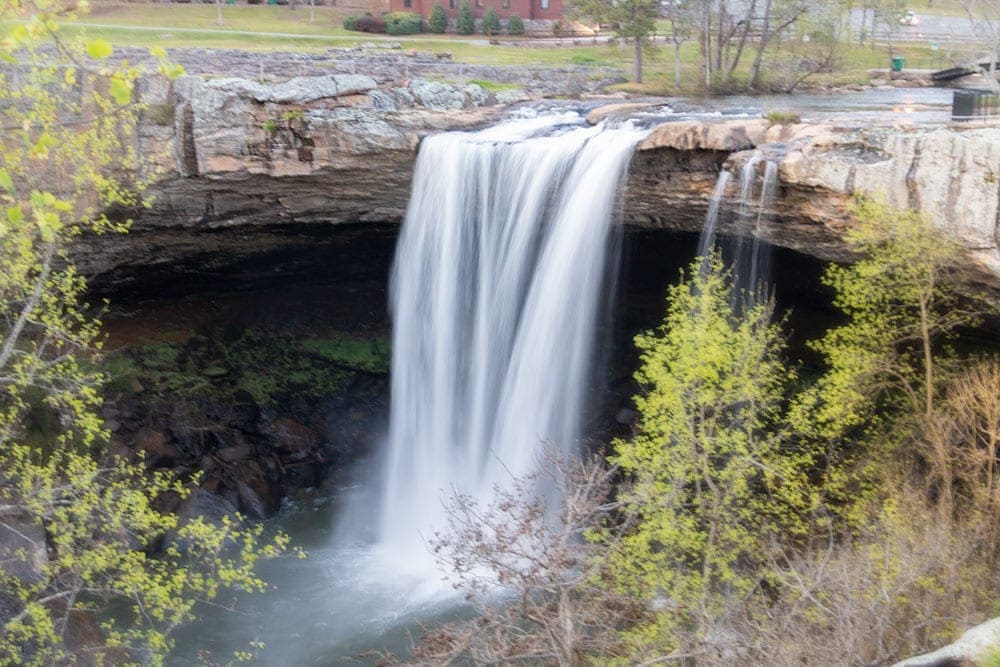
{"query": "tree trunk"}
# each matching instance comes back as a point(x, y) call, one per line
point(218, 11)
point(734, 63)
point(638, 60)
point(759, 56)
point(677, 67)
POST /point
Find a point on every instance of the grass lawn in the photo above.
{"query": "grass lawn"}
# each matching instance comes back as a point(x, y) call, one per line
point(266, 28)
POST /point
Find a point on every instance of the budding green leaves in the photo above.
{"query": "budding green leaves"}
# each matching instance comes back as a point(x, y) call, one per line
point(99, 49)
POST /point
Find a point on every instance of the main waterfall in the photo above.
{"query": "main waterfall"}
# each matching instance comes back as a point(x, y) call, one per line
point(495, 292)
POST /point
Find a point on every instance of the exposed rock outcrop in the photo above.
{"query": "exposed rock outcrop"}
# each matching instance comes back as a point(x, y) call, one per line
point(975, 647)
point(247, 165)
point(951, 176)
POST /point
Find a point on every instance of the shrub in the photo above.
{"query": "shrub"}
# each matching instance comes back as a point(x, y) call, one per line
point(515, 26)
point(349, 23)
point(491, 22)
point(403, 23)
point(373, 24)
point(780, 117)
point(438, 21)
point(465, 24)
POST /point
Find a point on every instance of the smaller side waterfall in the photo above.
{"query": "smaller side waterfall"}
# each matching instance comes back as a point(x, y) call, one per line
point(746, 218)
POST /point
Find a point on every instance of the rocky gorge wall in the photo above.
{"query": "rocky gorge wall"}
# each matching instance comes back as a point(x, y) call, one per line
point(246, 166)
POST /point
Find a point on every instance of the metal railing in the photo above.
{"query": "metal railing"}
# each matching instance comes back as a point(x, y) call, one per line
point(975, 105)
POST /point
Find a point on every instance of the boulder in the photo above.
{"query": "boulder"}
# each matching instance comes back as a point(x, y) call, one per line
point(973, 648)
point(700, 135)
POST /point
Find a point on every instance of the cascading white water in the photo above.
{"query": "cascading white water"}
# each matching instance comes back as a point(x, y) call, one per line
point(495, 292)
point(743, 251)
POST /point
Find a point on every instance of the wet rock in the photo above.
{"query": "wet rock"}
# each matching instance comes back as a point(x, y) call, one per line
point(203, 503)
point(235, 452)
point(291, 435)
point(156, 444)
point(602, 112)
point(627, 417)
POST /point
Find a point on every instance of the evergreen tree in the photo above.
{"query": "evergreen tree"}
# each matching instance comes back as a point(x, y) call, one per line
point(491, 22)
point(438, 22)
point(515, 26)
point(465, 24)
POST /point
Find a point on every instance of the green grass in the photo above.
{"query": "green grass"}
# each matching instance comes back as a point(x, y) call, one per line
point(364, 355)
point(283, 29)
point(494, 86)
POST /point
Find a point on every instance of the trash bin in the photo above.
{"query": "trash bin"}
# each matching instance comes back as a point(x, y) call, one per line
point(897, 64)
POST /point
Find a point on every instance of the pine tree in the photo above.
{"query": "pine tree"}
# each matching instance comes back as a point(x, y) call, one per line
point(491, 22)
point(465, 24)
point(515, 26)
point(438, 22)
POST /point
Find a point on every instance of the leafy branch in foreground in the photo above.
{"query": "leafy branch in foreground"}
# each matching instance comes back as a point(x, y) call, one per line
point(90, 569)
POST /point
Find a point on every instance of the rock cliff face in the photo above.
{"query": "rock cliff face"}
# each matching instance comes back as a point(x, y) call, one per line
point(247, 167)
point(951, 176)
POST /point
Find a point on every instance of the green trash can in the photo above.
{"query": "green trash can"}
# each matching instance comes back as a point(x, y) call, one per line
point(897, 64)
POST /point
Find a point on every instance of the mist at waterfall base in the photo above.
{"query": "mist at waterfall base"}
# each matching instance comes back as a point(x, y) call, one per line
point(502, 267)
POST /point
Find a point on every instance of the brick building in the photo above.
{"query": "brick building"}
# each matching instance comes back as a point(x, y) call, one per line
point(538, 15)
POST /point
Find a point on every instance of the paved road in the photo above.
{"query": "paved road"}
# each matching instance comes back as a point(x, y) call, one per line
point(942, 29)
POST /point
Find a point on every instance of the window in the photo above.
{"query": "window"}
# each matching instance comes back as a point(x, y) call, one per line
point(407, 3)
point(505, 4)
point(479, 3)
point(544, 4)
point(451, 3)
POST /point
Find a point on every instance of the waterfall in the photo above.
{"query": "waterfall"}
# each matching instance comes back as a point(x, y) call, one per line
point(495, 293)
point(747, 216)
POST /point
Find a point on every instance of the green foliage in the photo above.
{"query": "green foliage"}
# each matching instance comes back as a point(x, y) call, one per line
point(269, 125)
point(491, 22)
point(494, 86)
point(349, 22)
point(630, 19)
point(403, 23)
point(515, 25)
point(86, 519)
point(899, 298)
point(363, 355)
point(710, 481)
point(779, 117)
point(438, 21)
point(465, 24)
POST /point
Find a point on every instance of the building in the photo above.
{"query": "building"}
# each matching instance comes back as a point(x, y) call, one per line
point(539, 16)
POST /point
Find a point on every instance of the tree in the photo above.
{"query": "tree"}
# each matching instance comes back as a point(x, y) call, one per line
point(515, 26)
point(558, 611)
point(491, 22)
point(984, 18)
point(438, 22)
point(630, 19)
point(465, 24)
point(710, 483)
point(79, 526)
point(682, 16)
point(900, 298)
